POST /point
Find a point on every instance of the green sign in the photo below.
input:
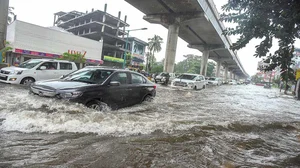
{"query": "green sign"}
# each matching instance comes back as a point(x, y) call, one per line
point(113, 59)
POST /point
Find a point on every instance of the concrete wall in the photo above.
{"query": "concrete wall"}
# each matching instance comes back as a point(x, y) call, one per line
point(27, 36)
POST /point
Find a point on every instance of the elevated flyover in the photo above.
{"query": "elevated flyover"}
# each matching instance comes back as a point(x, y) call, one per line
point(197, 23)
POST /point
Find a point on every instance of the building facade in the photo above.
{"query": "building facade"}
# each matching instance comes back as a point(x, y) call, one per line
point(137, 48)
point(99, 26)
point(31, 41)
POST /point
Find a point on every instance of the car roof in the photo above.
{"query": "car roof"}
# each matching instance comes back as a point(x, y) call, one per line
point(56, 60)
point(191, 74)
point(108, 68)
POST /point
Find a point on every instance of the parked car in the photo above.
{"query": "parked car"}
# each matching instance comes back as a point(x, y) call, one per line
point(190, 81)
point(36, 70)
point(159, 77)
point(99, 88)
point(232, 82)
point(215, 81)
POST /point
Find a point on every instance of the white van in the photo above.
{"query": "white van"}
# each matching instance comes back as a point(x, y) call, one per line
point(36, 70)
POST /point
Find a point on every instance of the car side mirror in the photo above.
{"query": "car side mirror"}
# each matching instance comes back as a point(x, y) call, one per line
point(43, 68)
point(114, 83)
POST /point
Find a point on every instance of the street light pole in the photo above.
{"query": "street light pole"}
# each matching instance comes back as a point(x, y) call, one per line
point(125, 54)
point(126, 45)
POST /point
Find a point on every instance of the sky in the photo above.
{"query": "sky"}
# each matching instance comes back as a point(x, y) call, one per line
point(40, 12)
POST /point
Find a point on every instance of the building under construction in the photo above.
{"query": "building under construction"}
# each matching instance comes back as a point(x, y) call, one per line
point(97, 25)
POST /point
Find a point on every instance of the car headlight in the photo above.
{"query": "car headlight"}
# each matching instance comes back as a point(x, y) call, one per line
point(70, 95)
point(18, 72)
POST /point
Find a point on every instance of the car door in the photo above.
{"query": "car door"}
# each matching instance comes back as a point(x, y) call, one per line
point(50, 72)
point(201, 81)
point(137, 89)
point(118, 95)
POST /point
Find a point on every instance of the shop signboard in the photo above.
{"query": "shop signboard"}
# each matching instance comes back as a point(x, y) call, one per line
point(113, 59)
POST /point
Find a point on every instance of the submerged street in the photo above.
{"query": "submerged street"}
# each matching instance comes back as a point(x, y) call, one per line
point(242, 125)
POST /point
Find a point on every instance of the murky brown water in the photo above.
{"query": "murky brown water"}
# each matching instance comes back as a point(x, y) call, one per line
point(227, 126)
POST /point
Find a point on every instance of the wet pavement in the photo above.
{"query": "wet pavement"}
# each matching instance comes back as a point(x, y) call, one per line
point(226, 126)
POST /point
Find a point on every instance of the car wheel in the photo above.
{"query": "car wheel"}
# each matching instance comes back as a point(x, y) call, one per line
point(195, 88)
point(27, 81)
point(148, 98)
point(97, 105)
point(155, 81)
point(204, 86)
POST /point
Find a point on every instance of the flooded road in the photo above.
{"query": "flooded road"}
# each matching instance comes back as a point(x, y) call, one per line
point(226, 126)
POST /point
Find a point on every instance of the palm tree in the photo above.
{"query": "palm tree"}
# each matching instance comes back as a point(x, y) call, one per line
point(154, 46)
point(11, 15)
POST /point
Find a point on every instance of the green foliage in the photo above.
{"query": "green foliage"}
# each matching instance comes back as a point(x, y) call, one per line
point(6, 48)
point(266, 20)
point(156, 68)
point(77, 57)
point(128, 59)
point(192, 64)
point(154, 46)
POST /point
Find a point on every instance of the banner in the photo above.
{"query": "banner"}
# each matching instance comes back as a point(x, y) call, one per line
point(113, 59)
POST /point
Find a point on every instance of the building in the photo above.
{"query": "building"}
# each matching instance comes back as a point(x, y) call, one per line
point(31, 41)
point(100, 26)
point(296, 58)
point(137, 48)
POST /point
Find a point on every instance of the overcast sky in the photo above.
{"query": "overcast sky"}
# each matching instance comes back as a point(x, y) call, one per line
point(40, 12)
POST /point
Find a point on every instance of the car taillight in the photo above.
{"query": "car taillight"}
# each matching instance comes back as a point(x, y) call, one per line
point(154, 86)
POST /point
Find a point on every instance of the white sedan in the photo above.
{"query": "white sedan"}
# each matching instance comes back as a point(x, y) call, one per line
point(189, 81)
point(214, 81)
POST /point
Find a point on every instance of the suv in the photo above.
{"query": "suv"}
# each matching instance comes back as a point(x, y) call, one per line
point(99, 88)
point(35, 70)
point(159, 78)
point(190, 81)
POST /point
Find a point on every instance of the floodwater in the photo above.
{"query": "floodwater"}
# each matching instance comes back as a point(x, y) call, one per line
point(226, 126)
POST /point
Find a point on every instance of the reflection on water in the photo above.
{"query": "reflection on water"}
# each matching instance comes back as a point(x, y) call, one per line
point(220, 126)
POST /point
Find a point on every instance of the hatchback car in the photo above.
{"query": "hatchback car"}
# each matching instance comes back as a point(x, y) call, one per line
point(36, 70)
point(99, 87)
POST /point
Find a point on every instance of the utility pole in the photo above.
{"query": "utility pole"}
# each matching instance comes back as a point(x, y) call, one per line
point(3, 21)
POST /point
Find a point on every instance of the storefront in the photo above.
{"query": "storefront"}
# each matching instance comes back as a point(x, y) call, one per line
point(31, 41)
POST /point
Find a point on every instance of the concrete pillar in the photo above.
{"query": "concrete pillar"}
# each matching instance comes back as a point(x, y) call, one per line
point(230, 74)
point(218, 68)
point(171, 48)
point(234, 77)
point(203, 68)
point(226, 73)
point(54, 20)
point(3, 21)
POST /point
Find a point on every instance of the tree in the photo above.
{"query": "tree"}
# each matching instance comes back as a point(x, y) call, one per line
point(11, 15)
point(3, 52)
point(154, 46)
point(74, 57)
point(266, 20)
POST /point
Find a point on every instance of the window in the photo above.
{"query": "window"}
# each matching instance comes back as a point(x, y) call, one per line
point(137, 79)
point(89, 76)
point(120, 77)
point(49, 65)
point(65, 66)
point(30, 64)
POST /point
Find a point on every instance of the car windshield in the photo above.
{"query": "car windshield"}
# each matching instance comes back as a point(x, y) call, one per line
point(212, 79)
point(187, 77)
point(30, 64)
point(162, 74)
point(93, 76)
